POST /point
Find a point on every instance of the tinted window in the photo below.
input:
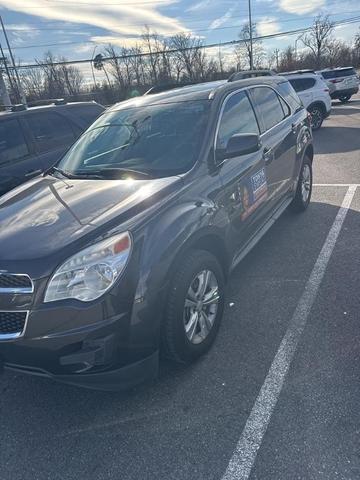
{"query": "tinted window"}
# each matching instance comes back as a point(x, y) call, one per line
point(238, 117)
point(301, 84)
point(159, 140)
point(287, 91)
point(12, 142)
point(50, 130)
point(87, 113)
point(269, 105)
point(345, 72)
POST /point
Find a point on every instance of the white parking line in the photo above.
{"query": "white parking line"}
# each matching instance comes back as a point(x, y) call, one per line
point(243, 458)
point(336, 185)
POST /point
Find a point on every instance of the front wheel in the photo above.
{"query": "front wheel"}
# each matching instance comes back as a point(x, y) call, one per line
point(344, 98)
point(194, 307)
point(304, 188)
point(317, 117)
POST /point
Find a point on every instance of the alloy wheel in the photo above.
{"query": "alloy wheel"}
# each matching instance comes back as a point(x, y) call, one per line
point(201, 306)
point(305, 182)
point(316, 118)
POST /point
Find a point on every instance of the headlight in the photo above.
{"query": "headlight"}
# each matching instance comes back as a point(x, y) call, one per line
point(90, 273)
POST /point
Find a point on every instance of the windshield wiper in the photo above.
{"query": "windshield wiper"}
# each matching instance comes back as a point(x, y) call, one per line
point(62, 172)
point(106, 173)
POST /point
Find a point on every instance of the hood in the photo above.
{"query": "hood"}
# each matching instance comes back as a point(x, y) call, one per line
point(45, 215)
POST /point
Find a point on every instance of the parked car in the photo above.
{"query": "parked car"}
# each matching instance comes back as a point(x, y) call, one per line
point(313, 92)
point(32, 140)
point(343, 82)
point(122, 250)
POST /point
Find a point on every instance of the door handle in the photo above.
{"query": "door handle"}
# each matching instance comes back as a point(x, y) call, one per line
point(268, 154)
point(33, 173)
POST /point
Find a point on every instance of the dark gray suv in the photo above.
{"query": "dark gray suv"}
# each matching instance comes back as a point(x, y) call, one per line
point(123, 249)
point(32, 140)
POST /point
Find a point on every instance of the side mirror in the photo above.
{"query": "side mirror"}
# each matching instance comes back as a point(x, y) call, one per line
point(239, 144)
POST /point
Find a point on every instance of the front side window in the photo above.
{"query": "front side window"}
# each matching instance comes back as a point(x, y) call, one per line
point(268, 103)
point(151, 140)
point(50, 130)
point(238, 117)
point(13, 146)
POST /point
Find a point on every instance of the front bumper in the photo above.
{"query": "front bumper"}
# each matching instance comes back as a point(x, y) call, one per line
point(343, 93)
point(107, 344)
point(114, 379)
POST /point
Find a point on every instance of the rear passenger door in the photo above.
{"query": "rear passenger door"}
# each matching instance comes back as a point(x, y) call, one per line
point(243, 178)
point(278, 136)
point(51, 133)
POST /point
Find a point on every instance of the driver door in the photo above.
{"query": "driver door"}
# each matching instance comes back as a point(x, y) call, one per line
point(243, 178)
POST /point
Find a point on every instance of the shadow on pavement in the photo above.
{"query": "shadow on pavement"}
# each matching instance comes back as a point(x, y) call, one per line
point(336, 140)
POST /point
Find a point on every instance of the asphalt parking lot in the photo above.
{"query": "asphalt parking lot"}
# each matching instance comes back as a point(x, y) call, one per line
point(278, 395)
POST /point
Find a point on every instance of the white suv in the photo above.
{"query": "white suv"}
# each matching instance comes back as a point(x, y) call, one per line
point(343, 82)
point(314, 94)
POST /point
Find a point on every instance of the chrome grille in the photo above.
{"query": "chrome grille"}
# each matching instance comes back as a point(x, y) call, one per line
point(12, 324)
point(15, 283)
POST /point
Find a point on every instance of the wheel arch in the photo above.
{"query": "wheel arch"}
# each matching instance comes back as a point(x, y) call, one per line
point(317, 103)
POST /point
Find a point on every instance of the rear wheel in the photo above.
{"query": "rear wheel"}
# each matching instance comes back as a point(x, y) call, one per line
point(317, 117)
point(194, 307)
point(304, 188)
point(344, 98)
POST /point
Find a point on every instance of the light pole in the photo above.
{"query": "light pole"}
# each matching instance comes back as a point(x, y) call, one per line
point(21, 92)
point(251, 38)
point(92, 66)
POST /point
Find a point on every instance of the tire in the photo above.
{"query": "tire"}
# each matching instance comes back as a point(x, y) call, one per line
point(176, 344)
point(317, 116)
point(344, 98)
point(300, 203)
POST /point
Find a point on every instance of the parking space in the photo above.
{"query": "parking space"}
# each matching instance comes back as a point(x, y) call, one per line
point(191, 422)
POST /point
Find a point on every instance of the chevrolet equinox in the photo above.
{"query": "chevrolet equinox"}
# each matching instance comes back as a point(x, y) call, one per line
point(120, 252)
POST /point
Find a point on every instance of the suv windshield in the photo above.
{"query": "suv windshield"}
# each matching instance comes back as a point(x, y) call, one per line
point(155, 140)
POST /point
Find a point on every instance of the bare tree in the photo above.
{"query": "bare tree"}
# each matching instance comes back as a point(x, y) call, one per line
point(190, 55)
point(318, 38)
point(243, 50)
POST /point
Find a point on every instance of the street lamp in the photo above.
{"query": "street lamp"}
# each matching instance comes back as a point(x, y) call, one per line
point(251, 39)
point(92, 66)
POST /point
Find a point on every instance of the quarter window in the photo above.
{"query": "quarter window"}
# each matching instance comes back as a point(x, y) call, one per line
point(50, 130)
point(268, 103)
point(301, 84)
point(13, 146)
point(238, 117)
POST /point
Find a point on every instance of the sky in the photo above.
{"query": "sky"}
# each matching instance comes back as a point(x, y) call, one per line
point(73, 28)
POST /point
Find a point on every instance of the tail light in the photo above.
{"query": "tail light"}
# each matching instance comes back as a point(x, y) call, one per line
point(326, 90)
point(335, 81)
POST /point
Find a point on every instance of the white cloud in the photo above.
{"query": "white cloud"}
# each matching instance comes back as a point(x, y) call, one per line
point(221, 20)
point(115, 40)
point(299, 7)
point(126, 19)
point(267, 26)
point(198, 6)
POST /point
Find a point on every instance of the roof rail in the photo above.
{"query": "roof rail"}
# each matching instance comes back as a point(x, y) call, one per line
point(166, 87)
point(298, 72)
point(60, 101)
point(250, 74)
point(20, 107)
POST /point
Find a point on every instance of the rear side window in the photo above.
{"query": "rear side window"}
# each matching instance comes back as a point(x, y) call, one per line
point(268, 103)
point(287, 91)
point(301, 84)
point(50, 130)
point(13, 146)
point(238, 117)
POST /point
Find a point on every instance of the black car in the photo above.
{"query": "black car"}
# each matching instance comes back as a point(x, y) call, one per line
point(123, 249)
point(32, 140)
